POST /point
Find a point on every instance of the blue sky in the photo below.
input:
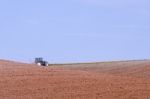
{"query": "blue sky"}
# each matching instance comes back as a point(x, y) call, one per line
point(74, 30)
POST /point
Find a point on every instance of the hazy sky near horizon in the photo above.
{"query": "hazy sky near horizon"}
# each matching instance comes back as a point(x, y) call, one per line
point(74, 30)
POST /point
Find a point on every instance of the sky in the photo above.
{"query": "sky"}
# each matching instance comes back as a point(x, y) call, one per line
point(63, 31)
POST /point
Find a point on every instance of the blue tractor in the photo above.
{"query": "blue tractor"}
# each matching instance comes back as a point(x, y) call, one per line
point(41, 62)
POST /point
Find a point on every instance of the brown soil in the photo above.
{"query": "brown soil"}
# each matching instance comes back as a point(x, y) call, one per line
point(109, 80)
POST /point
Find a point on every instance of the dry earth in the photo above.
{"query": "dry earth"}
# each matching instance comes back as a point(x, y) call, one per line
point(105, 80)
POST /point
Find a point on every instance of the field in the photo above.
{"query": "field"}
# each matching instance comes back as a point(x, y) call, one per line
point(101, 80)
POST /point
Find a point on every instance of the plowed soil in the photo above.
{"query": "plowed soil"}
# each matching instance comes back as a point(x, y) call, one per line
point(107, 80)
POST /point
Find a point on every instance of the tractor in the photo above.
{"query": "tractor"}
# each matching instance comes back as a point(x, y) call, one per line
point(41, 62)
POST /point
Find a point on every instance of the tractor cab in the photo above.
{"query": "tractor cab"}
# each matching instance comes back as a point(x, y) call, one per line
point(41, 62)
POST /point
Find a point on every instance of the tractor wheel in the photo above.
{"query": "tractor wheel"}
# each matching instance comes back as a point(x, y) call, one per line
point(39, 64)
